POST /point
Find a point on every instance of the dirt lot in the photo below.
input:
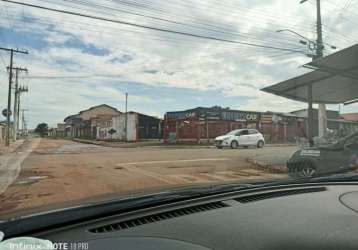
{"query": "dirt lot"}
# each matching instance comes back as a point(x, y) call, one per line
point(56, 171)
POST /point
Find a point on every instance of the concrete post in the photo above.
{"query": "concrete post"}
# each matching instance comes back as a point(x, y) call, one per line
point(322, 120)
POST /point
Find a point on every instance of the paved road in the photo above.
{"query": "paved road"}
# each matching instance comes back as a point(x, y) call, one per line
point(57, 171)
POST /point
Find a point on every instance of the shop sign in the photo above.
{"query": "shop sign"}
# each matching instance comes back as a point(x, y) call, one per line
point(240, 116)
point(181, 115)
point(210, 115)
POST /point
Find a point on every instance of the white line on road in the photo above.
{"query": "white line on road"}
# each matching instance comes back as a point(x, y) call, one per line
point(172, 161)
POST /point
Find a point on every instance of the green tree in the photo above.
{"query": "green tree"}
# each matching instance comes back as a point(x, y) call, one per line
point(111, 132)
point(42, 129)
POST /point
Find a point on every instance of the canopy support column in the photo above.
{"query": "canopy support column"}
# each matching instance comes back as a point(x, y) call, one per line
point(310, 115)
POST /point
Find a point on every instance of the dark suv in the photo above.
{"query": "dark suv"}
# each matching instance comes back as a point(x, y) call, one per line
point(338, 157)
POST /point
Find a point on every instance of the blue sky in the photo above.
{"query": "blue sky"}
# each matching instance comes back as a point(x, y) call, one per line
point(76, 63)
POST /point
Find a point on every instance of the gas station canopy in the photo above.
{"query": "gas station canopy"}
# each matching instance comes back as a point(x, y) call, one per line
point(334, 80)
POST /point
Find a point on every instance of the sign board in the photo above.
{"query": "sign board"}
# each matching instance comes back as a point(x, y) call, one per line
point(4, 112)
point(183, 115)
point(172, 137)
point(240, 116)
point(266, 118)
point(209, 115)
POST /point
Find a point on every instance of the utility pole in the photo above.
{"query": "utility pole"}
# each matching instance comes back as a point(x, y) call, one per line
point(7, 142)
point(16, 101)
point(322, 114)
point(126, 118)
point(21, 90)
point(12, 51)
point(23, 124)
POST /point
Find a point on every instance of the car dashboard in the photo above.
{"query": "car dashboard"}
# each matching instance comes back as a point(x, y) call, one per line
point(296, 217)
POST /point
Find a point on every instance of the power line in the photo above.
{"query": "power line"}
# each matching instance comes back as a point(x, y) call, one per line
point(104, 30)
point(198, 25)
point(147, 7)
point(280, 41)
point(150, 27)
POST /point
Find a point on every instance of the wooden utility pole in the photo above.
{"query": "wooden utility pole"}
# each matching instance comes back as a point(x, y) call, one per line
point(16, 101)
point(12, 51)
point(21, 90)
point(126, 119)
point(23, 124)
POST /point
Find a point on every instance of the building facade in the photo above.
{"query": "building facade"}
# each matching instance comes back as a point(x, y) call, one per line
point(338, 124)
point(2, 131)
point(132, 126)
point(350, 117)
point(86, 123)
point(204, 124)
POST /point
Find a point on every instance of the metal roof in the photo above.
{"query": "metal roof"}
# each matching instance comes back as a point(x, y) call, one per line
point(334, 79)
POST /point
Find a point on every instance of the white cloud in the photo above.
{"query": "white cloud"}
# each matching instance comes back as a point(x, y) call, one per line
point(170, 60)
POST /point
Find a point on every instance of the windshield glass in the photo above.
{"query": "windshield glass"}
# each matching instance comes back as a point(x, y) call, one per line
point(107, 99)
point(234, 132)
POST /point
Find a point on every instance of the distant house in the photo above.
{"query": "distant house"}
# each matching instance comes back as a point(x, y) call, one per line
point(2, 130)
point(139, 127)
point(335, 121)
point(72, 125)
point(350, 117)
point(58, 131)
point(85, 124)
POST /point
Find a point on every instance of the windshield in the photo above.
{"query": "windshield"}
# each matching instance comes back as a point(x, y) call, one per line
point(109, 99)
point(234, 132)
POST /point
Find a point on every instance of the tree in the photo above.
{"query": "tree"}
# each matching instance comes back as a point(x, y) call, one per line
point(42, 129)
point(111, 132)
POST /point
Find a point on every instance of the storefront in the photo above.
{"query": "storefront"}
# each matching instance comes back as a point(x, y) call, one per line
point(204, 124)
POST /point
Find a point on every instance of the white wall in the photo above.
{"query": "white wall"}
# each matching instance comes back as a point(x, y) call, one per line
point(2, 133)
point(118, 124)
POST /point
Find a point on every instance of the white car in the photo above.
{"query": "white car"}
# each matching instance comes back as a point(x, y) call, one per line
point(240, 137)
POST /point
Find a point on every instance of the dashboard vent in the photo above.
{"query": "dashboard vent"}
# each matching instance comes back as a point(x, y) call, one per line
point(276, 194)
point(123, 225)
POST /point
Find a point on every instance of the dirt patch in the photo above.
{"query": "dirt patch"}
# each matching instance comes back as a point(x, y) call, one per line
point(62, 171)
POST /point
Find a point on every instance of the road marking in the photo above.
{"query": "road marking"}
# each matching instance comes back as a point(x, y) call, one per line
point(172, 161)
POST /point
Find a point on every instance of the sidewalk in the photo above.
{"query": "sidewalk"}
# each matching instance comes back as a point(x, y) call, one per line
point(13, 146)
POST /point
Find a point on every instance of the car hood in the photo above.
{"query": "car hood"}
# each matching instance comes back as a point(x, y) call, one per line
point(222, 137)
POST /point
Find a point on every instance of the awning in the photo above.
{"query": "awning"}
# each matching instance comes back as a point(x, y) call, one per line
point(334, 80)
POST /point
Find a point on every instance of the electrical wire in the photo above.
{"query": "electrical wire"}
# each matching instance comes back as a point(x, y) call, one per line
point(147, 26)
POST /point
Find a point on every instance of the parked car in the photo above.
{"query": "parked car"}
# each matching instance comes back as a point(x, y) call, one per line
point(240, 137)
point(334, 158)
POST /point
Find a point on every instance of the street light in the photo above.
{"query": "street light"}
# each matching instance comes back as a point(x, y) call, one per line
point(312, 46)
point(294, 32)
